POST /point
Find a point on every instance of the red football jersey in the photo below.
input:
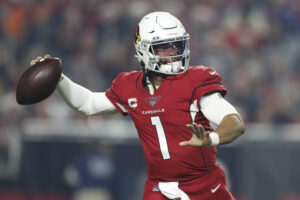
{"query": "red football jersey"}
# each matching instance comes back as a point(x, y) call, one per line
point(161, 119)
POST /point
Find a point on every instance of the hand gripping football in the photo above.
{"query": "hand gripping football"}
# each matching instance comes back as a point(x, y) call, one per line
point(38, 81)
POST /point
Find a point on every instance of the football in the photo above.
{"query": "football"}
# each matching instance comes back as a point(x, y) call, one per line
point(38, 81)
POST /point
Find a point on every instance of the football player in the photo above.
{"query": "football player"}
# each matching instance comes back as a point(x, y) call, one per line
point(172, 106)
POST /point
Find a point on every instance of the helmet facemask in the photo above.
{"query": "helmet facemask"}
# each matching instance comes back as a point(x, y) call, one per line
point(173, 64)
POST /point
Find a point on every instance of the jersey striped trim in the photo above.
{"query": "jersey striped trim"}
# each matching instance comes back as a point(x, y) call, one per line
point(191, 99)
point(119, 104)
point(122, 107)
point(137, 78)
point(116, 95)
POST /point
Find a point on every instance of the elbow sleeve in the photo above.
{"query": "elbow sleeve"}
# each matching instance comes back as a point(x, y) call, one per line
point(214, 107)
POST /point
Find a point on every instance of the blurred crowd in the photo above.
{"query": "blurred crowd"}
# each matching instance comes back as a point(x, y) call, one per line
point(253, 44)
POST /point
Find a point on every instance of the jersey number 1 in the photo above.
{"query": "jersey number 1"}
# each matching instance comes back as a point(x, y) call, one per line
point(163, 145)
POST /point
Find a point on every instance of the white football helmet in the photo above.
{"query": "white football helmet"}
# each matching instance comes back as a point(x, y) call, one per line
point(161, 30)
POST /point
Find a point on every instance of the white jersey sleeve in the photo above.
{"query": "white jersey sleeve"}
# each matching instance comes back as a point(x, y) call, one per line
point(83, 100)
point(214, 107)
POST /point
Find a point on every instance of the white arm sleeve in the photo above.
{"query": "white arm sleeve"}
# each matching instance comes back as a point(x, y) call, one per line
point(214, 107)
point(83, 100)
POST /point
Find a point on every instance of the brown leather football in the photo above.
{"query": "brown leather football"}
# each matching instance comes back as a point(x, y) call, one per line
point(38, 81)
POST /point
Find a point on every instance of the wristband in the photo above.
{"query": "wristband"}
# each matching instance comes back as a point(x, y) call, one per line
point(215, 138)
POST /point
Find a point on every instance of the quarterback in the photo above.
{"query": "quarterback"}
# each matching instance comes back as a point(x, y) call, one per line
point(172, 106)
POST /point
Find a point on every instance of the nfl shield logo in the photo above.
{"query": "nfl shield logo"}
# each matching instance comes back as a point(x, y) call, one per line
point(153, 100)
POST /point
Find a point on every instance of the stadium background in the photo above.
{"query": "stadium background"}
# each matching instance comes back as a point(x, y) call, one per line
point(49, 152)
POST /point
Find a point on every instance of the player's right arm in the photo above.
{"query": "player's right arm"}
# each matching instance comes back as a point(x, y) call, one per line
point(82, 99)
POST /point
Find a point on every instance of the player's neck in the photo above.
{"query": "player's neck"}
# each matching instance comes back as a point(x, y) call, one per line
point(157, 79)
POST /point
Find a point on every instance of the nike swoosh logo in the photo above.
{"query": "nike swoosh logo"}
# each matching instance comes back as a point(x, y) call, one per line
point(213, 190)
point(212, 73)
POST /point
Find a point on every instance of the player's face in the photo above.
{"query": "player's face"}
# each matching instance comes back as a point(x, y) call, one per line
point(169, 49)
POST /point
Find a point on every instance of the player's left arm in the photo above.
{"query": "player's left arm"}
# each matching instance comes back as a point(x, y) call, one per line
point(220, 112)
point(230, 128)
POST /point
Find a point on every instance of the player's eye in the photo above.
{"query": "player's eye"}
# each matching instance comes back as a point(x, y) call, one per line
point(177, 46)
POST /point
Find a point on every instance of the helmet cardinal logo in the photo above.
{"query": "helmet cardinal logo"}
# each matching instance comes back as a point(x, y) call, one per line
point(137, 37)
